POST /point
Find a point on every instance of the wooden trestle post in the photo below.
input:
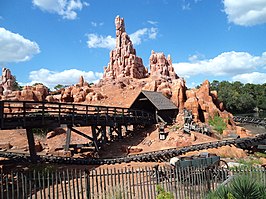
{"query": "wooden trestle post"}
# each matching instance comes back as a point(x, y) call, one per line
point(31, 143)
point(104, 138)
point(119, 131)
point(94, 135)
point(1, 114)
point(68, 138)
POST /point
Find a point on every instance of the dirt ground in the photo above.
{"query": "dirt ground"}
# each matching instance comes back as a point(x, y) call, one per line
point(142, 141)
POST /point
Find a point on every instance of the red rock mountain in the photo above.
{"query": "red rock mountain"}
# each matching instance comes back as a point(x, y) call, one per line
point(123, 79)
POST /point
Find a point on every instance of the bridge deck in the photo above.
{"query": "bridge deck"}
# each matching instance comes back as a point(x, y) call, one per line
point(29, 114)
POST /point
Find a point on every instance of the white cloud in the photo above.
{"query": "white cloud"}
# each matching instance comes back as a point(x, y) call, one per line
point(95, 24)
point(65, 8)
point(66, 77)
point(246, 12)
point(99, 41)
point(253, 78)
point(15, 48)
point(227, 63)
point(152, 22)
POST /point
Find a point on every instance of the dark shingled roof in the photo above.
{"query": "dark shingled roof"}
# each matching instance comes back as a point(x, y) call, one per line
point(159, 100)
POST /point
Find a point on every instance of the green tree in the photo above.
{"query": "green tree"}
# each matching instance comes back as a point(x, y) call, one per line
point(16, 86)
point(37, 83)
point(58, 87)
point(240, 98)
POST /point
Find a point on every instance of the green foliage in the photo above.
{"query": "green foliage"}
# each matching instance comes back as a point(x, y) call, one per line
point(241, 187)
point(245, 188)
point(43, 168)
point(40, 131)
point(162, 194)
point(240, 98)
point(37, 83)
point(174, 128)
point(58, 87)
point(218, 124)
point(16, 86)
point(249, 162)
point(260, 154)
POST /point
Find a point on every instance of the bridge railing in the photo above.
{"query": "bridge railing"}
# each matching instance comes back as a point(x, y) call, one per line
point(26, 113)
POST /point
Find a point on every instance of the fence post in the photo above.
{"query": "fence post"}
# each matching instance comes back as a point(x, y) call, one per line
point(208, 176)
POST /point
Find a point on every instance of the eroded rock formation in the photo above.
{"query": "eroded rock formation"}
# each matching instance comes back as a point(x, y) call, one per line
point(32, 93)
point(164, 79)
point(123, 60)
point(7, 82)
point(81, 92)
point(205, 104)
point(161, 67)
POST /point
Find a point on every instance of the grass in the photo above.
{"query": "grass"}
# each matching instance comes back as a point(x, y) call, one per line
point(250, 162)
point(260, 154)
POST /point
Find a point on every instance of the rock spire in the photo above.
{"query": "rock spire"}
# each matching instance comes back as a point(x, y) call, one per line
point(6, 82)
point(123, 60)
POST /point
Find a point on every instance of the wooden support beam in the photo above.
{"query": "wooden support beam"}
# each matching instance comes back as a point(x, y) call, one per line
point(94, 135)
point(119, 131)
point(81, 134)
point(68, 138)
point(1, 114)
point(104, 138)
point(31, 144)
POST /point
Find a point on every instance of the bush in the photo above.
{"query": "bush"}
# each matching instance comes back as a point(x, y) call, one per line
point(162, 194)
point(218, 123)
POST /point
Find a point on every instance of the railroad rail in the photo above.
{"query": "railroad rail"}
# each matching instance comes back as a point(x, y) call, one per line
point(250, 120)
point(161, 155)
point(41, 114)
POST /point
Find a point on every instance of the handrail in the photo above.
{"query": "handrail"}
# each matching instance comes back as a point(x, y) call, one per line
point(44, 110)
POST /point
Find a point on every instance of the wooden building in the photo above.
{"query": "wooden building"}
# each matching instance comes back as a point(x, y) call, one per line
point(163, 109)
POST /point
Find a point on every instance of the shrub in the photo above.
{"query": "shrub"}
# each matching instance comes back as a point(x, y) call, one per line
point(162, 194)
point(218, 123)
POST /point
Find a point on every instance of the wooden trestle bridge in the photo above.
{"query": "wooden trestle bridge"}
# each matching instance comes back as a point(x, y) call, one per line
point(102, 120)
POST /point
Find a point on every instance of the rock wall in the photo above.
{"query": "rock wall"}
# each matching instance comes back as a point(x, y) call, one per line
point(123, 60)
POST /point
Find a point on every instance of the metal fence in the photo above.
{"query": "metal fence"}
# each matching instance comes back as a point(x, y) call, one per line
point(130, 183)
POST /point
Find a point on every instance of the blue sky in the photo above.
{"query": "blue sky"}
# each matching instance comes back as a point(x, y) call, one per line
point(56, 41)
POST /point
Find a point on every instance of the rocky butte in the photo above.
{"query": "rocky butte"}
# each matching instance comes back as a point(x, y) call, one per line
point(124, 77)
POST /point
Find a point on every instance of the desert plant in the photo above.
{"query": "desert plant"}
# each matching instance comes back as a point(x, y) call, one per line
point(241, 187)
point(218, 123)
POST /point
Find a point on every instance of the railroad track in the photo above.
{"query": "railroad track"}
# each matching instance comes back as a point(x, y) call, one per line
point(161, 155)
point(251, 120)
